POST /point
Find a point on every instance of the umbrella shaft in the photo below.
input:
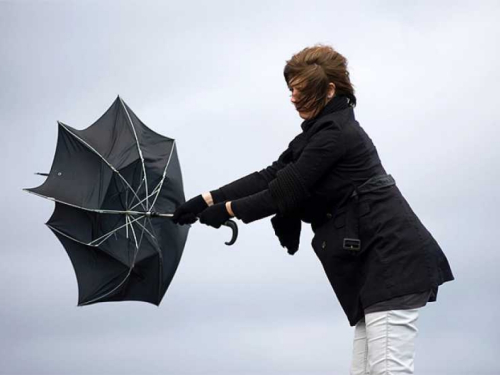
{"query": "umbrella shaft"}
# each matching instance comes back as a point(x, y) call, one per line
point(135, 213)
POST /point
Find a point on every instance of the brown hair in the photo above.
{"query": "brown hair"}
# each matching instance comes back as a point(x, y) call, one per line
point(312, 69)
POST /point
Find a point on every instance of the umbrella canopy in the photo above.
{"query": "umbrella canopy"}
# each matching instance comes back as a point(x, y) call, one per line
point(109, 182)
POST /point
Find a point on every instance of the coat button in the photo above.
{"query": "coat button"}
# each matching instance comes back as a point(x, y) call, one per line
point(329, 215)
point(323, 245)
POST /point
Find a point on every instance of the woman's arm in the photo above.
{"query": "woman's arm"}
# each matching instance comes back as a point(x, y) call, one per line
point(247, 185)
point(295, 181)
point(254, 207)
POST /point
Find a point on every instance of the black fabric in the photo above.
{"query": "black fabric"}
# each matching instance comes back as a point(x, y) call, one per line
point(188, 212)
point(287, 189)
point(333, 157)
point(215, 215)
point(245, 186)
point(408, 301)
point(310, 156)
point(398, 255)
point(254, 207)
point(354, 209)
point(117, 164)
point(337, 103)
point(285, 197)
point(259, 180)
point(374, 183)
point(287, 229)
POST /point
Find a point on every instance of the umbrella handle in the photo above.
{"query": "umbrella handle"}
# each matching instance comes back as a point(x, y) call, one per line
point(231, 224)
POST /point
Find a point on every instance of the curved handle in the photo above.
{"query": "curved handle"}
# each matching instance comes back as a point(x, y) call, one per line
point(232, 224)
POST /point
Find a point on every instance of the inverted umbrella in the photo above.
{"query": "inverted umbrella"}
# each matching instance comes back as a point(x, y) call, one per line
point(115, 186)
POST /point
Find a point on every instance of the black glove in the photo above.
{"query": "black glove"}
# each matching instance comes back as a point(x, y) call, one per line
point(215, 215)
point(187, 212)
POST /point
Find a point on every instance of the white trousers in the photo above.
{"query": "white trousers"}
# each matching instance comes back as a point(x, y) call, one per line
point(384, 343)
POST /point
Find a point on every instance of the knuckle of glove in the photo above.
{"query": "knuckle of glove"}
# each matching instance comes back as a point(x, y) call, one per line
point(196, 205)
point(203, 218)
point(187, 218)
point(209, 218)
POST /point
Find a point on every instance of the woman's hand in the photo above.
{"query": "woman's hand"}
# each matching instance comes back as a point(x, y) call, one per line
point(187, 212)
point(216, 215)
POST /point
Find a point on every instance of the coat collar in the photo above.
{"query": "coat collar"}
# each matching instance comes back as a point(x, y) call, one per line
point(338, 103)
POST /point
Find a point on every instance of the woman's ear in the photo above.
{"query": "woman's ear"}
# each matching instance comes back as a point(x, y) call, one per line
point(331, 90)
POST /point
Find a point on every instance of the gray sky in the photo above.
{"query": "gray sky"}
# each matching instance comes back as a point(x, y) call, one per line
point(209, 74)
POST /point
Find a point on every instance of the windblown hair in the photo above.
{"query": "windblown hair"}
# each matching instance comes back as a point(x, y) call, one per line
point(311, 70)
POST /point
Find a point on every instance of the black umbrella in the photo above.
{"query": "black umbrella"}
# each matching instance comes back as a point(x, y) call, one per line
point(116, 185)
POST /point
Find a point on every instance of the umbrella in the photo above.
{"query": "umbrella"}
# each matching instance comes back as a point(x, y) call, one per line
point(115, 186)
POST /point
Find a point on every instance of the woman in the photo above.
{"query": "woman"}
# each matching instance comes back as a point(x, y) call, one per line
point(381, 261)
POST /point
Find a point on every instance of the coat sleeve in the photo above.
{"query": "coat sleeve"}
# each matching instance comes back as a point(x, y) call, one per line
point(294, 182)
point(250, 184)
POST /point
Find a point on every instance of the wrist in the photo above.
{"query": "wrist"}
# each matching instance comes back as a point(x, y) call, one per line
point(208, 198)
point(229, 209)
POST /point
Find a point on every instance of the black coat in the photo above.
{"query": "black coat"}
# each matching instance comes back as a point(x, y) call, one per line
point(328, 161)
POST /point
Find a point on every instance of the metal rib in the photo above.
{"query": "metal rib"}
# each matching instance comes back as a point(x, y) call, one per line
point(97, 153)
point(100, 211)
point(158, 187)
point(128, 221)
point(126, 277)
point(83, 243)
point(164, 174)
point(140, 151)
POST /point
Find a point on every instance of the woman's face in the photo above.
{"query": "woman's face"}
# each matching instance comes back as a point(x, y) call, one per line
point(295, 96)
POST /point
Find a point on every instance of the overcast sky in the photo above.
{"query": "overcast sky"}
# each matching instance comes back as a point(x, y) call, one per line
point(209, 74)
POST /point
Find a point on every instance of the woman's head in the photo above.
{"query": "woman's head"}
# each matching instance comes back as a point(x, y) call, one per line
point(314, 75)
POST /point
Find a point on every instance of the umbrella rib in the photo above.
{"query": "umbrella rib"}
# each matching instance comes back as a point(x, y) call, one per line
point(136, 245)
point(102, 157)
point(156, 246)
point(83, 243)
point(145, 229)
point(140, 152)
point(160, 264)
point(107, 235)
point(164, 175)
point(142, 236)
point(153, 236)
point(158, 187)
point(126, 277)
point(68, 236)
point(150, 195)
point(100, 211)
point(126, 226)
point(111, 291)
point(136, 194)
point(138, 203)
